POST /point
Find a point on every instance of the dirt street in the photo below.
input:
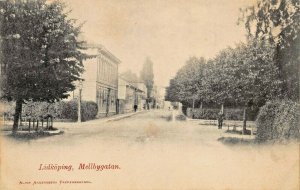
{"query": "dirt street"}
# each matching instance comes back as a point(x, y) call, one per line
point(148, 151)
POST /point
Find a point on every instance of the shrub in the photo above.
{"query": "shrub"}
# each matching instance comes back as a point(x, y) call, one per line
point(7, 109)
point(69, 110)
point(230, 113)
point(89, 110)
point(278, 121)
point(62, 110)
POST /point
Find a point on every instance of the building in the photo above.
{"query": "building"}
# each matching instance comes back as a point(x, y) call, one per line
point(158, 95)
point(1, 69)
point(129, 95)
point(141, 94)
point(107, 82)
point(100, 80)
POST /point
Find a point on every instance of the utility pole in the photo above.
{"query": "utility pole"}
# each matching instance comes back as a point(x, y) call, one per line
point(79, 101)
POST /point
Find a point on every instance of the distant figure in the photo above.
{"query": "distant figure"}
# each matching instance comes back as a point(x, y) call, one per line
point(220, 120)
point(135, 108)
point(169, 108)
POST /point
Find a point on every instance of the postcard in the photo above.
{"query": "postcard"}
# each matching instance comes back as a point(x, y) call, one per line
point(149, 94)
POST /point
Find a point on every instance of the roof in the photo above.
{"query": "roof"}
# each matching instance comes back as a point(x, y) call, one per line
point(104, 51)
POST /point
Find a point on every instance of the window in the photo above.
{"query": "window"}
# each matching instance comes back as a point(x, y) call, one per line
point(100, 97)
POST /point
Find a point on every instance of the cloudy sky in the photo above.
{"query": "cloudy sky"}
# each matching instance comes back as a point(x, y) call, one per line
point(168, 31)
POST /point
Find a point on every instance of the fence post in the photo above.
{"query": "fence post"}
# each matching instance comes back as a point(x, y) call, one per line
point(29, 125)
point(37, 124)
point(51, 121)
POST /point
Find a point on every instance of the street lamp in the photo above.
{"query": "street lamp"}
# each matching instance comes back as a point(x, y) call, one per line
point(79, 101)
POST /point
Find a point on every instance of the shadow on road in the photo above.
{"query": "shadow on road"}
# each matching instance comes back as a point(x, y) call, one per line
point(237, 141)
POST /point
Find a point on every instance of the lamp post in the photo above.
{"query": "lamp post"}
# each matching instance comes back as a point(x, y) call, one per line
point(79, 101)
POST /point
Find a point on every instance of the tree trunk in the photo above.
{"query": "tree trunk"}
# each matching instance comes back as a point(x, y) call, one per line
point(193, 108)
point(244, 121)
point(79, 106)
point(193, 104)
point(201, 105)
point(18, 112)
point(222, 108)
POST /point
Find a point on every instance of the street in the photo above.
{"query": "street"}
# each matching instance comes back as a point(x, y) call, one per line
point(152, 151)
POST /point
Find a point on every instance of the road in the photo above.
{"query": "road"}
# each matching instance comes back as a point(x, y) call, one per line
point(152, 152)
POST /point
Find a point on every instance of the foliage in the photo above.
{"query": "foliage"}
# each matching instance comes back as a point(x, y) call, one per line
point(254, 73)
point(187, 84)
point(279, 22)
point(41, 52)
point(245, 76)
point(147, 76)
point(218, 78)
point(230, 113)
point(242, 76)
point(172, 91)
point(278, 121)
point(62, 110)
point(89, 110)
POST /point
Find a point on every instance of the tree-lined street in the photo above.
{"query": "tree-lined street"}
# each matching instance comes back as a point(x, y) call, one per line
point(149, 94)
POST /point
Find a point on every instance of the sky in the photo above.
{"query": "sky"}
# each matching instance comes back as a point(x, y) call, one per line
point(167, 31)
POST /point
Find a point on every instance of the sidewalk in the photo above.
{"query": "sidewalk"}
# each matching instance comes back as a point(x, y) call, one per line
point(225, 122)
point(114, 117)
point(8, 124)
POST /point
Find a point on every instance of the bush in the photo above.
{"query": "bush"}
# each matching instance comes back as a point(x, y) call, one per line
point(69, 110)
point(278, 121)
point(89, 110)
point(62, 110)
point(7, 109)
point(230, 113)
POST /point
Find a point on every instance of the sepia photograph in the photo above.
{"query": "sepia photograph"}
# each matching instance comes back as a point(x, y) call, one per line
point(150, 94)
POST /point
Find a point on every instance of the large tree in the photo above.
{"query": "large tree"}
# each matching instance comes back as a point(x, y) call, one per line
point(187, 85)
point(279, 22)
point(190, 81)
point(41, 52)
point(218, 80)
point(147, 76)
point(254, 75)
point(172, 91)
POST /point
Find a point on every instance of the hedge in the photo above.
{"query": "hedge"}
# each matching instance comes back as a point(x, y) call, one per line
point(65, 110)
point(278, 121)
point(230, 113)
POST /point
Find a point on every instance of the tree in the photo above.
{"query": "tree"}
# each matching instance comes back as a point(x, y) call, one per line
point(172, 91)
point(243, 76)
point(187, 86)
point(147, 76)
point(189, 79)
point(41, 53)
point(129, 76)
point(218, 80)
point(279, 22)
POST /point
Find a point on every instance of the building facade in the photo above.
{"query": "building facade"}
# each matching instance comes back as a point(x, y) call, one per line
point(106, 81)
point(129, 95)
point(100, 82)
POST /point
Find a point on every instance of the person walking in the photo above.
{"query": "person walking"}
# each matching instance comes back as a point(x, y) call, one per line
point(135, 107)
point(220, 120)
